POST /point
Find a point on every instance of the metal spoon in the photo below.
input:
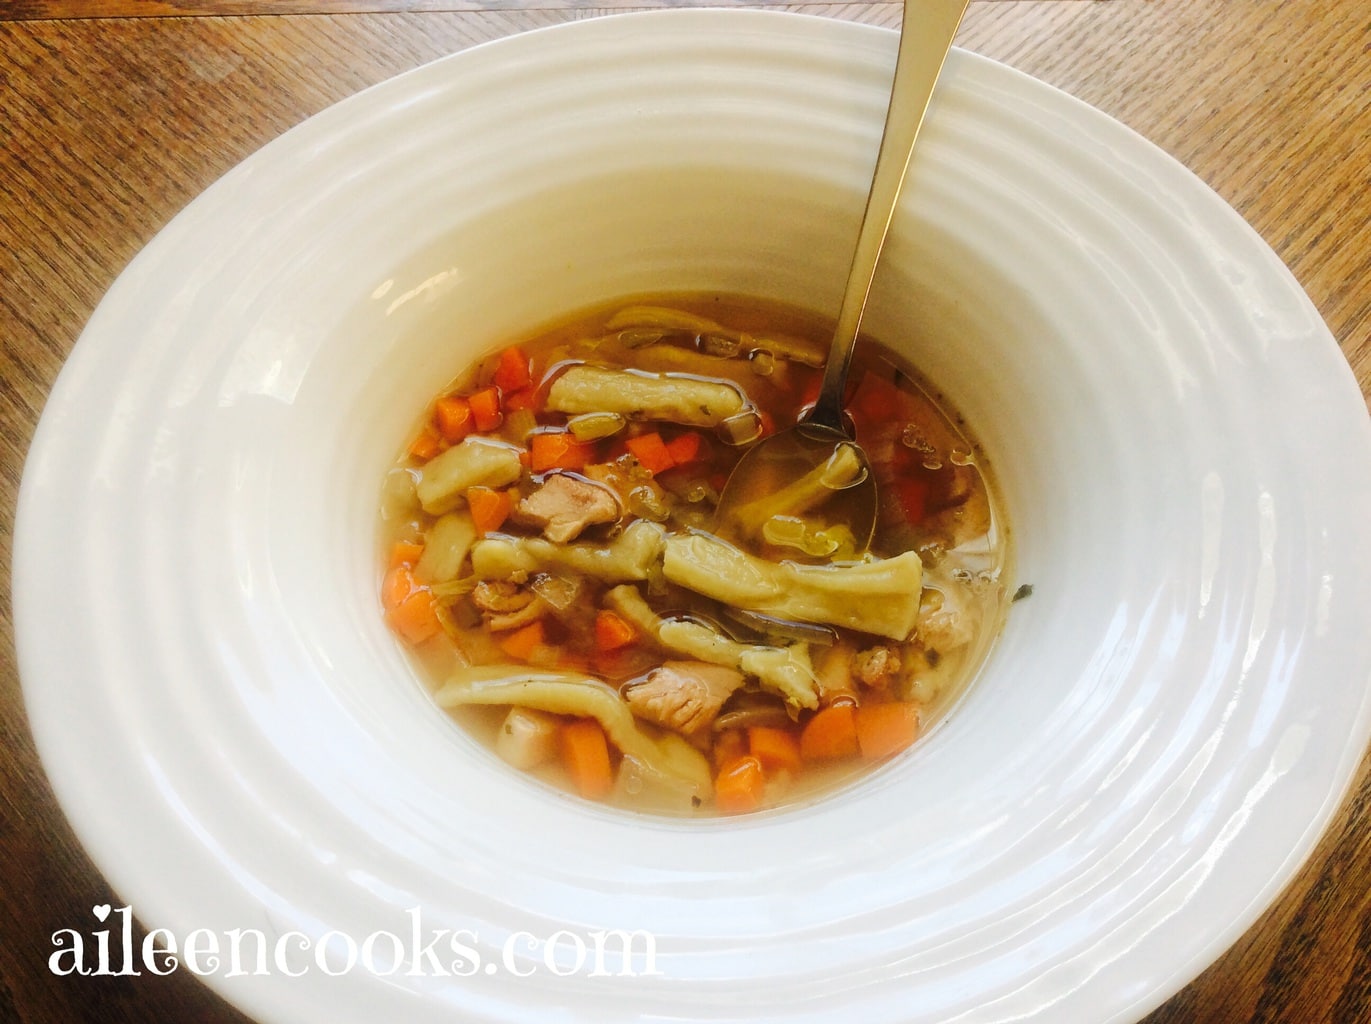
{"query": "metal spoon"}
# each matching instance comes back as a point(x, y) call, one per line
point(816, 466)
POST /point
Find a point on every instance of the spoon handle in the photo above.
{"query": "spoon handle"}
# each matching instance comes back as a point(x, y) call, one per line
point(925, 38)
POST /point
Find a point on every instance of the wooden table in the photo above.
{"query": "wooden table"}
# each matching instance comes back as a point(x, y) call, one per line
point(115, 113)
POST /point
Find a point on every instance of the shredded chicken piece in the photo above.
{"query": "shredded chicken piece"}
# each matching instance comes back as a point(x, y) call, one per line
point(684, 696)
point(947, 617)
point(507, 606)
point(877, 666)
point(499, 596)
point(564, 505)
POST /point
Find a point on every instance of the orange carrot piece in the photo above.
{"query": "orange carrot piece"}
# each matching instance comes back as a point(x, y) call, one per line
point(686, 448)
point(612, 631)
point(524, 642)
point(416, 617)
point(585, 752)
point(452, 416)
point(830, 735)
point(512, 372)
point(410, 609)
point(397, 584)
point(485, 409)
point(489, 508)
point(426, 445)
point(405, 552)
point(739, 786)
point(776, 748)
point(885, 729)
point(524, 398)
point(557, 449)
point(877, 399)
point(651, 452)
point(911, 494)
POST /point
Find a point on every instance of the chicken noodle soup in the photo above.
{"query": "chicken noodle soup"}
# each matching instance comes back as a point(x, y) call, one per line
point(553, 560)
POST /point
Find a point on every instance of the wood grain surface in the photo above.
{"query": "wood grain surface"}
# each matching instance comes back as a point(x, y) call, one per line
point(116, 113)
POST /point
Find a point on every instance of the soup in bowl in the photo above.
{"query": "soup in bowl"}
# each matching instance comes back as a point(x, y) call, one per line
point(558, 562)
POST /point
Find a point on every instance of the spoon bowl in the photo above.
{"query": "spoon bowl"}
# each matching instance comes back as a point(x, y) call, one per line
point(809, 487)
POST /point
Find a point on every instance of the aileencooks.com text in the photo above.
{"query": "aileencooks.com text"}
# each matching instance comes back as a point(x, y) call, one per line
point(411, 949)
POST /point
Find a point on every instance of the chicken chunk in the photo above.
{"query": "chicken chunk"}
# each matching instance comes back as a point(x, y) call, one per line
point(507, 606)
point(948, 617)
point(684, 696)
point(877, 667)
point(564, 505)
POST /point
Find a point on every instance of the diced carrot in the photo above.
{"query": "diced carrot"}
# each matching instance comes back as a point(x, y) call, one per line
point(585, 752)
point(397, 584)
point(651, 452)
point(410, 609)
point(426, 445)
point(877, 399)
point(768, 422)
point(405, 552)
point(489, 508)
point(739, 786)
point(612, 631)
point(885, 729)
point(686, 448)
point(558, 449)
point(778, 749)
point(452, 416)
point(830, 735)
point(485, 409)
point(524, 642)
point(512, 373)
point(524, 398)
point(809, 394)
point(911, 493)
point(416, 617)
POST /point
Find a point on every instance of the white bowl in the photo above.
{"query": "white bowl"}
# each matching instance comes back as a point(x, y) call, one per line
point(1158, 739)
